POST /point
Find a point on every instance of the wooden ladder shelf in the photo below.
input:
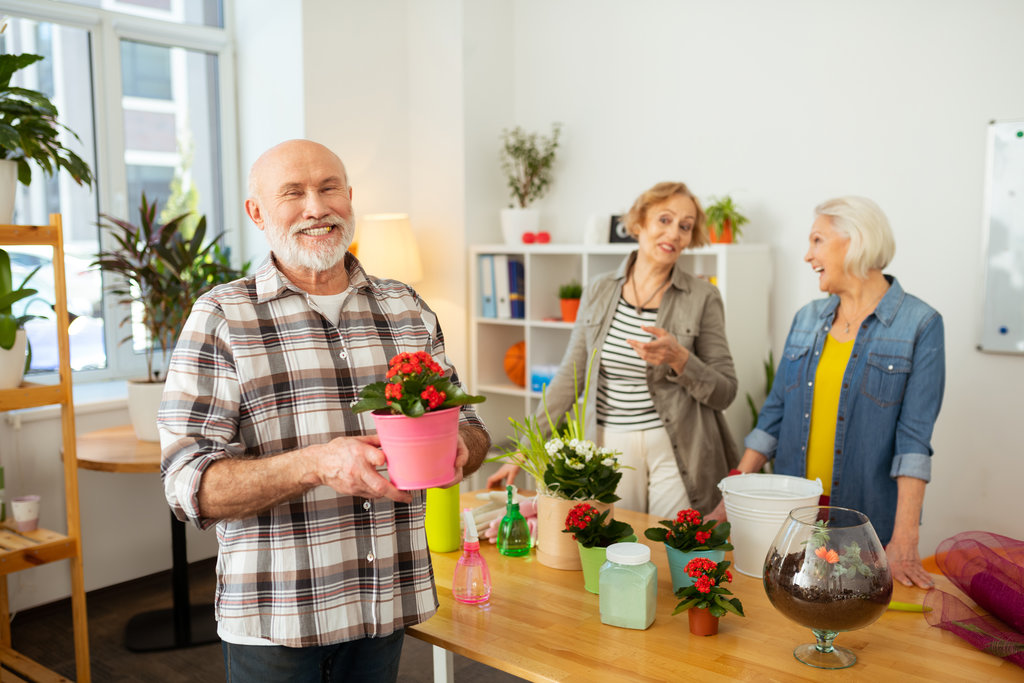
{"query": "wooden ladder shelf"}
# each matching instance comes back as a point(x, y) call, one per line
point(25, 550)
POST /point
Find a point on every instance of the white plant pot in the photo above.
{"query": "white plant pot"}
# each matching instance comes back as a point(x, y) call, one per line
point(143, 404)
point(12, 362)
point(514, 222)
point(8, 187)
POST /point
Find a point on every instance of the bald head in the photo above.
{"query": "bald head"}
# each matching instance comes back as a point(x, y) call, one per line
point(290, 154)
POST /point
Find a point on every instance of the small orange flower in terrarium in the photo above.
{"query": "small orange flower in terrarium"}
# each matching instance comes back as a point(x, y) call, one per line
point(830, 556)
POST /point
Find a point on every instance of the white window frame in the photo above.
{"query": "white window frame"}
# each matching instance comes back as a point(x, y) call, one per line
point(107, 28)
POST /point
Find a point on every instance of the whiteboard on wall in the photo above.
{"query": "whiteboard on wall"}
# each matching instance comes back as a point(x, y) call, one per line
point(1002, 327)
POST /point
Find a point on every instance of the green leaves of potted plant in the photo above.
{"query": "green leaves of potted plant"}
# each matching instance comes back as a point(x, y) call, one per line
point(16, 355)
point(30, 131)
point(705, 599)
point(161, 271)
point(416, 412)
point(526, 160)
point(724, 220)
point(569, 298)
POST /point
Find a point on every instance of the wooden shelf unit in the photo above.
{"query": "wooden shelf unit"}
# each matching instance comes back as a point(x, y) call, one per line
point(25, 550)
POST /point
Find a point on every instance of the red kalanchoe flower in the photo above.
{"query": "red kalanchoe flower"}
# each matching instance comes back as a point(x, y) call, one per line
point(689, 516)
point(699, 565)
point(704, 584)
point(702, 536)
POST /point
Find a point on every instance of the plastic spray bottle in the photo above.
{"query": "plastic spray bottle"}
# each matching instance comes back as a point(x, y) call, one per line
point(472, 581)
point(514, 532)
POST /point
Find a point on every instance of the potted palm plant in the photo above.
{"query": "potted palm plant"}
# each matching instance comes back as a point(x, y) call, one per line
point(15, 352)
point(724, 220)
point(30, 131)
point(526, 159)
point(161, 272)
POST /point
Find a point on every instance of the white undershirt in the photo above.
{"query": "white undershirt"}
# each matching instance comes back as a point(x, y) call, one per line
point(329, 305)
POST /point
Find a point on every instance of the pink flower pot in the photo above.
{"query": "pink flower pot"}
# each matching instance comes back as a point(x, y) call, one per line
point(420, 451)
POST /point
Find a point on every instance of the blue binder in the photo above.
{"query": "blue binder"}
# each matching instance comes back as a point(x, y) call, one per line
point(488, 304)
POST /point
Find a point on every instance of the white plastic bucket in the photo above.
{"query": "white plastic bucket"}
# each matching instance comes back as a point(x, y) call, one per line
point(757, 506)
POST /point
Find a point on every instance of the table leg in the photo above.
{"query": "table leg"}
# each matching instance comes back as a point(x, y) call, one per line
point(444, 665)
point(184, 625)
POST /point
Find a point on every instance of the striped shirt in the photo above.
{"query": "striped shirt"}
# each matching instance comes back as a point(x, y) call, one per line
point(258, 372)
point(623, 398)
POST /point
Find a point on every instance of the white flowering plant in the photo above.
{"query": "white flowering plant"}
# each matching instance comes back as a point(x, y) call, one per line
point(580, 470)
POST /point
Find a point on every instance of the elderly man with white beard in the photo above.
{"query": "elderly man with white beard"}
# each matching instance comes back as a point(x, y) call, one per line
point(322, 561)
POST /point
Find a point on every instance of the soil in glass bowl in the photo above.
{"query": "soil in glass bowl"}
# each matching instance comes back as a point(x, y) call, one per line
point(834, 604)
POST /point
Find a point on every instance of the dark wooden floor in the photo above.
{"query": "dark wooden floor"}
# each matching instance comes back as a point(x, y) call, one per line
point(44, 634)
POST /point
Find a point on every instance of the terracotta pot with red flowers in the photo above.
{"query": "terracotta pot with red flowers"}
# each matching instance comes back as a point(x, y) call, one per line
point(416, 412)
point(689, 536)
point(705, 600)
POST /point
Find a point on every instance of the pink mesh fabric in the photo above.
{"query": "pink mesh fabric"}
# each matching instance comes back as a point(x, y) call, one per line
point(989, 568)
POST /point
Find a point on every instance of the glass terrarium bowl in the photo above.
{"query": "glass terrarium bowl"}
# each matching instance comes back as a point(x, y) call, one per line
point(827, 571)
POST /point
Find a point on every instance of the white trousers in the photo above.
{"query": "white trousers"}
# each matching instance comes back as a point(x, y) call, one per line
point(654, 485)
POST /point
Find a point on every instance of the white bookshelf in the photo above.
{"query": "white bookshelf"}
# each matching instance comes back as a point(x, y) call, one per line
point(742, 272)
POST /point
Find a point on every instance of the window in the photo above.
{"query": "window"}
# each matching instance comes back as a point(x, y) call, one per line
point(160, 134)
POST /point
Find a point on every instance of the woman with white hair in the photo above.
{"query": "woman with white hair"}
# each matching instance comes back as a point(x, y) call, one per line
point(859, 385)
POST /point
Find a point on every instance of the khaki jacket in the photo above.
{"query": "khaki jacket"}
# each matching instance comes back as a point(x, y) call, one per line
point(690, 405)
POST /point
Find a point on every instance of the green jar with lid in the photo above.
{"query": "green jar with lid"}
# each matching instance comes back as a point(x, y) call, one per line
point(628, 584)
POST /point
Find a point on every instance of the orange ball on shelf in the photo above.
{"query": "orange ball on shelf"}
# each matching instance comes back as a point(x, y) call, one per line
point(515, 363)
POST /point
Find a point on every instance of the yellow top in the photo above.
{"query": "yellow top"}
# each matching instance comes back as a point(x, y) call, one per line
point(828, 381)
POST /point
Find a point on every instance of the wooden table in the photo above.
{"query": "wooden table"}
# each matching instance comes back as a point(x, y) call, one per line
point(542, 625)
point(184, 625)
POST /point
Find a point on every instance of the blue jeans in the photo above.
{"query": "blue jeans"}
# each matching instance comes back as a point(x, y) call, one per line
point(369, 659)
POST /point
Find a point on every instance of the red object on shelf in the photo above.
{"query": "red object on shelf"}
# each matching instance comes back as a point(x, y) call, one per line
point(529, 238)
point(543, 237)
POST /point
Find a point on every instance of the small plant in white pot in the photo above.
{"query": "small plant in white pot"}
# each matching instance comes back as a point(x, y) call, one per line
point(162, 271)
point(15, 351)
point(527, 160)
point(30, 131)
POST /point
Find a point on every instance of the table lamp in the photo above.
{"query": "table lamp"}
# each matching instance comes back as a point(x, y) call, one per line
point(387, 247)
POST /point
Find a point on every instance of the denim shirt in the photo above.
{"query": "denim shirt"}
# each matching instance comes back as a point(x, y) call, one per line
point(890, 397)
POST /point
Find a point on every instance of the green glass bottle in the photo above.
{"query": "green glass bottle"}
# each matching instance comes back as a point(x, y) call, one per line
point(514, 532)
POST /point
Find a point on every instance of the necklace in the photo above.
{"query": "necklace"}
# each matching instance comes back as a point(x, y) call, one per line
point(636, 294)
point(863, 313)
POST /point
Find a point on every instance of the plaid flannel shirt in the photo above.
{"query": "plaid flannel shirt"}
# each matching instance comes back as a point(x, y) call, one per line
point(257, 372)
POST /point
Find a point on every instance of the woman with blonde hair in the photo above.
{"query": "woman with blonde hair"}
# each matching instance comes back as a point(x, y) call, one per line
point(859, 384)
point(663, 373)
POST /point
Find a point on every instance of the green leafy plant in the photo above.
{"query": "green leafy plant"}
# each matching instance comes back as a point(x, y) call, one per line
point(590, 528)
point(527, 159)
point(163, 271)
point(414, 385)
point(9, 295)
point(29, 129)
point(689, 532)
point(769, 379)
point(723, 214)
point(571, 290)
point(707, 590)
